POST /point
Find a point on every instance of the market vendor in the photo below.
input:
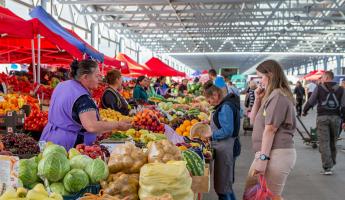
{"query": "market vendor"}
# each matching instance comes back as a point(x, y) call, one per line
point(183, 89)
point(225, 126)
point(73, 116)
point(111, 97)
point(139, 93)
point(161, 87)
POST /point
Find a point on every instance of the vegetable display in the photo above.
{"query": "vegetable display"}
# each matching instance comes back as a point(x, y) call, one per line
point(97, 170)
point(28, 171)
point(36, 121)
point(122, 185)
point(53, 166)
point(75, 180)
point(126, 158)
point(162, 152)
point(80, 161)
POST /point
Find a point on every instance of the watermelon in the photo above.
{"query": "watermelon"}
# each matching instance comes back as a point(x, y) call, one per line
point(195, 164)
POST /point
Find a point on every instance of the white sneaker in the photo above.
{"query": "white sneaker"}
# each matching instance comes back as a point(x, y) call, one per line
point(327, 172)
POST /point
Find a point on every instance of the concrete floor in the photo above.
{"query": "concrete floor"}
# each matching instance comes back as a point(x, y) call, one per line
point(305, 181)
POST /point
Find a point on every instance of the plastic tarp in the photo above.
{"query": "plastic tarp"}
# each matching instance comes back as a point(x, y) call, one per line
point(134, 68)
point(159, 68)
point(55, 27)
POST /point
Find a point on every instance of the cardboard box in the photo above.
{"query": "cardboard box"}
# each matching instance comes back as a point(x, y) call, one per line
point(201, 184)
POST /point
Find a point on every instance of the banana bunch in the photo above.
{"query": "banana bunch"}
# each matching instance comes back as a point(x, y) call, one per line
point(112, 115)
point(37, 193)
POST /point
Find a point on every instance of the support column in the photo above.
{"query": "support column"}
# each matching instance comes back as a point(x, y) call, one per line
point(305, 68)
point(94, 35)
point(314, 64)
point(338, 69)
point(325, 63)
point(44, 4)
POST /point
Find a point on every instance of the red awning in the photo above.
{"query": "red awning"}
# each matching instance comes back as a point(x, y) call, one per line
point(17, 35)
point(112, 62)
point(314, 75)
point(159, 68)
point(13, 26)
point(133, 67)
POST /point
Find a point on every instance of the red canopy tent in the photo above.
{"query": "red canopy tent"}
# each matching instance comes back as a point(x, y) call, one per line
point(17, 41)
point(314, 75)
point(159, 68)
point(134, 68)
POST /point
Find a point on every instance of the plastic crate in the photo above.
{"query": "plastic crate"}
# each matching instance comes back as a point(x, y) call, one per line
point(93, 189)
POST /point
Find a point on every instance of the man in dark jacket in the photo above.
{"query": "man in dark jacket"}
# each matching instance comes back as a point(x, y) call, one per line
point(331, 105)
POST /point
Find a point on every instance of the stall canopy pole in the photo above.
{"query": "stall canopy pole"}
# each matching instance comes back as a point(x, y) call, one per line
point(33, 59)
point(38, 58)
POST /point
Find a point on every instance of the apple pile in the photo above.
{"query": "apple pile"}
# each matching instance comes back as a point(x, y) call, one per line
point(148, 120)
point(94, 151)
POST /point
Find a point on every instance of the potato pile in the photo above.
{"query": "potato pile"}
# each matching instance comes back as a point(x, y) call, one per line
point(122, 185)
point(163, 151)
point(126, 158)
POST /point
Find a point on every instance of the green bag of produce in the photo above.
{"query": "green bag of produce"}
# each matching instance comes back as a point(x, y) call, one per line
point(157, 179)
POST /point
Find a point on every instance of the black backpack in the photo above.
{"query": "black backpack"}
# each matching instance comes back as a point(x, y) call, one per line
point(331, 102)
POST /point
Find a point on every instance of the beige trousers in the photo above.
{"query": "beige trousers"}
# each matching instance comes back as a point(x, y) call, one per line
point(281, 162)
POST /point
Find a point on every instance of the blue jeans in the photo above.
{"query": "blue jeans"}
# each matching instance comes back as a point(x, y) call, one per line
point(227, 196)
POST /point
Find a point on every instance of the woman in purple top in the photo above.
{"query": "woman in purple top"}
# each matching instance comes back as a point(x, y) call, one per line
point(73, 116)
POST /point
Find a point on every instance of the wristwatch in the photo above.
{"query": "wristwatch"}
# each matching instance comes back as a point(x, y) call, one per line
point(263, 157)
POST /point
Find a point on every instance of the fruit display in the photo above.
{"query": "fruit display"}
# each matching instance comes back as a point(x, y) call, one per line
point(20, 144)
point(149, 120)
point(195, 164)
point(94, 151)
point(184, 128)
point(36, 121)
point(112, 115)
point(175, 123)
point(37, 193)
point(126, 158)
point(127, 94)
point(122, 185)
point(163, 151)
point(203, 116)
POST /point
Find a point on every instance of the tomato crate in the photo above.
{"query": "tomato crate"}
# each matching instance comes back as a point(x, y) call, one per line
point(93, 189)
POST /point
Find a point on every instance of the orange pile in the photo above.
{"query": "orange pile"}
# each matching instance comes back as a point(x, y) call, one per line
point(184, 128)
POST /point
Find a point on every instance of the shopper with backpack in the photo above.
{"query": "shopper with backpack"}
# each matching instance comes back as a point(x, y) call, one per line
point(330, 98)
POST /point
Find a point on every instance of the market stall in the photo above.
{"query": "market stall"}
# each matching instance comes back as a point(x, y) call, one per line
point(163, 156)
point(120, 164)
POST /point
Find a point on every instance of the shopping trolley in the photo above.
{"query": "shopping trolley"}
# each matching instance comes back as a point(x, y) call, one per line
point(309, 137)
